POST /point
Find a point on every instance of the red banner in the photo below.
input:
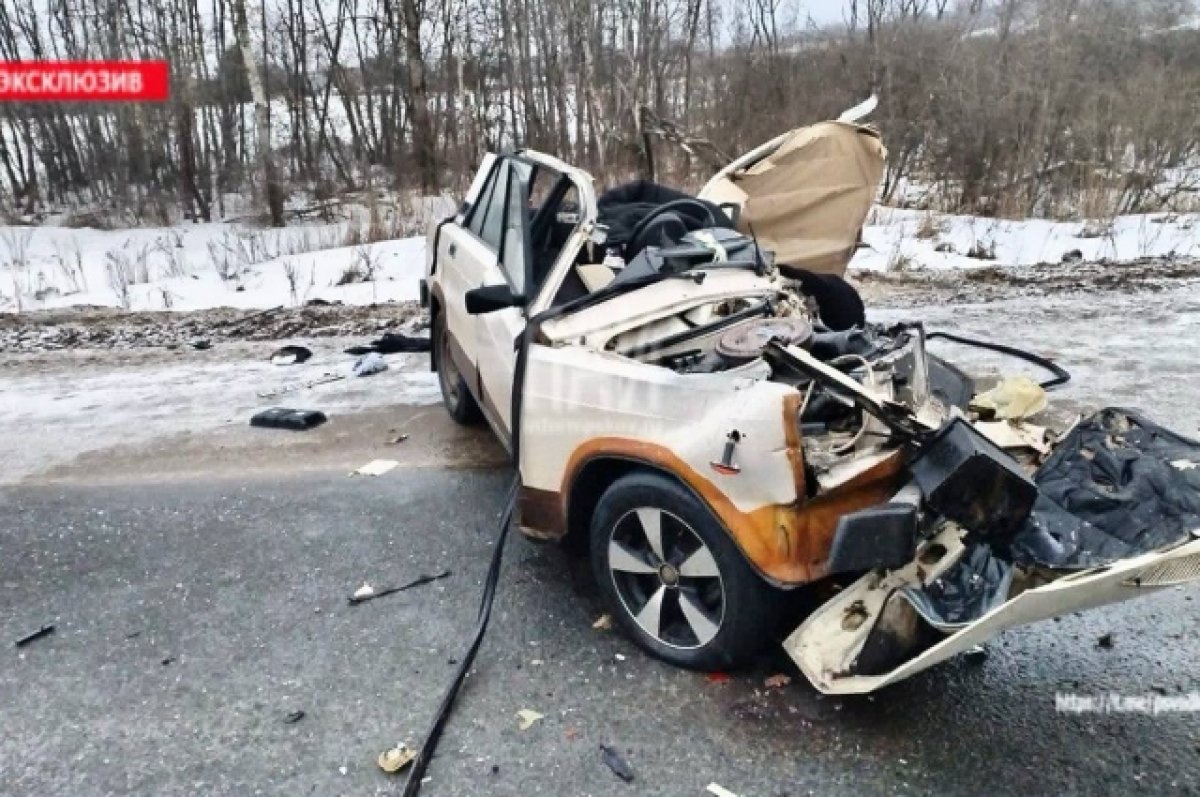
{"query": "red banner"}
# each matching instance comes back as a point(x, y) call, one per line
point(84, 81)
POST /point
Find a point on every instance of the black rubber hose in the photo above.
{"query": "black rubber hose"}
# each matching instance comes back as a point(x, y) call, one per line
point(413, 785)
point(1061, 375)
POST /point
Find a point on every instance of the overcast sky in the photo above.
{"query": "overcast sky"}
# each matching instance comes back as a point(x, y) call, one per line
point(824, 11)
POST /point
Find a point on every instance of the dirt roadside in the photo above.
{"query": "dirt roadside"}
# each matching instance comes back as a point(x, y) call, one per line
point(993, 283)
point(82, 328)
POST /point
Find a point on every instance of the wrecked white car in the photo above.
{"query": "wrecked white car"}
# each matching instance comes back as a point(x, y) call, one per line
point(689, 390)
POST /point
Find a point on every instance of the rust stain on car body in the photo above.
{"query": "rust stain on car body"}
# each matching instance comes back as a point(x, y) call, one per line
point(788, 543)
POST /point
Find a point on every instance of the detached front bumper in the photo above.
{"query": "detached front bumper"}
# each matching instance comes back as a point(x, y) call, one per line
point(1114, 514)
point(874, 616)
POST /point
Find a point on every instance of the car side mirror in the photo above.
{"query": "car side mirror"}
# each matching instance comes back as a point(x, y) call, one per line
point(491, 298)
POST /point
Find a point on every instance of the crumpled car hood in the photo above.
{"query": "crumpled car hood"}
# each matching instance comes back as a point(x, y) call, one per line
point(806, 194)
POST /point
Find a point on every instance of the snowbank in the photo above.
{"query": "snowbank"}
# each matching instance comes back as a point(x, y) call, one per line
point(199, 266)
point(903, 239)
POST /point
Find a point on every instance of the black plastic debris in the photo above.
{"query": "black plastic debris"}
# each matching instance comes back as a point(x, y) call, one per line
point(1118, 485)
point(284, 418)
point(970, 480)
point(356, 599)
point(392, 343)
point(975, 655)
point(1105, 642)
point(294, 717)
point(201, 344)
point(45, 630)
point(291, 355)
point(614, 761)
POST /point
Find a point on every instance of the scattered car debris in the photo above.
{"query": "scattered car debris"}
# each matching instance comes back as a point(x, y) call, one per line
point(376, 467)
point(367, 593)
point(717, 677)
point(392, 343)
point(45, 630)
point(284, 418)
point(527, 717)
point(396, 759)
point(201, 344)
point(400, 438)
point(1183, 464)
point(718, 790)
point(294, 717)
point(325, 378)
point(975, 655)
point(777, 681)
point(1015, 434)
point(291, 355)
point(1072, 256)
point(603, 623)
point(369, 364)
point(1106, 641)
point(311, 383)
point(167, 661)
point(1014, 398)
point(613, 760)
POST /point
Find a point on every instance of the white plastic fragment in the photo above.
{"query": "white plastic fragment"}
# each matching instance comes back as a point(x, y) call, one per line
point(719, 790)
point(376, 467)
point(527, 717)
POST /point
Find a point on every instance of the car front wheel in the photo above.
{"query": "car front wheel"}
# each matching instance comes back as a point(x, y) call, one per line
point(674, 580)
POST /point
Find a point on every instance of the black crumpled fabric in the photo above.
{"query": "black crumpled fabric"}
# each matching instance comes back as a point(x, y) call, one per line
point(621, 208)
point(1118, 485)
point(392, 343)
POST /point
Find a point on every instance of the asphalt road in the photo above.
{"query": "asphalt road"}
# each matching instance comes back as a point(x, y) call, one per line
point(193, 615)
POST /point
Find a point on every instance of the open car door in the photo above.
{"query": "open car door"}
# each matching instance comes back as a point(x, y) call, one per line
point(805, 194)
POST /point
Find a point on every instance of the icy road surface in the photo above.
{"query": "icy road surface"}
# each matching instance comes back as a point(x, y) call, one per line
point(1140, 351)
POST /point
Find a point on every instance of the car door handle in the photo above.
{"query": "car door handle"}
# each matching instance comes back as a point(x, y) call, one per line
point(452, 250)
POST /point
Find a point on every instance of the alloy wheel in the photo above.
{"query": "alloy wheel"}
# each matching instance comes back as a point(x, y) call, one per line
point(666, 578)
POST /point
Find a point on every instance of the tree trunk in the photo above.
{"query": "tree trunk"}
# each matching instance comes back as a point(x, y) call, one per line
point(272, 191)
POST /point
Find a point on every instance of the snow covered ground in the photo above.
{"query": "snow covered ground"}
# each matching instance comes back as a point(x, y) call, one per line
point(199, 266)
point(74, 407)
point(898, 240)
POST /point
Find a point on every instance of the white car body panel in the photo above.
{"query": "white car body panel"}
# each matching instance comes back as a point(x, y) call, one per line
point(824, 649)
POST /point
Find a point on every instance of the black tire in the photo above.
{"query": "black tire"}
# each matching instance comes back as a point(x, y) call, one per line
point(456, 396)
point(749, 606)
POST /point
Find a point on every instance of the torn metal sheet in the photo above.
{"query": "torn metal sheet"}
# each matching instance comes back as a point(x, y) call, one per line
point(1113, 519)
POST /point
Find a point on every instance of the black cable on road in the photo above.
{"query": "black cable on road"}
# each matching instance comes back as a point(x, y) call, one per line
point(1061, 375)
